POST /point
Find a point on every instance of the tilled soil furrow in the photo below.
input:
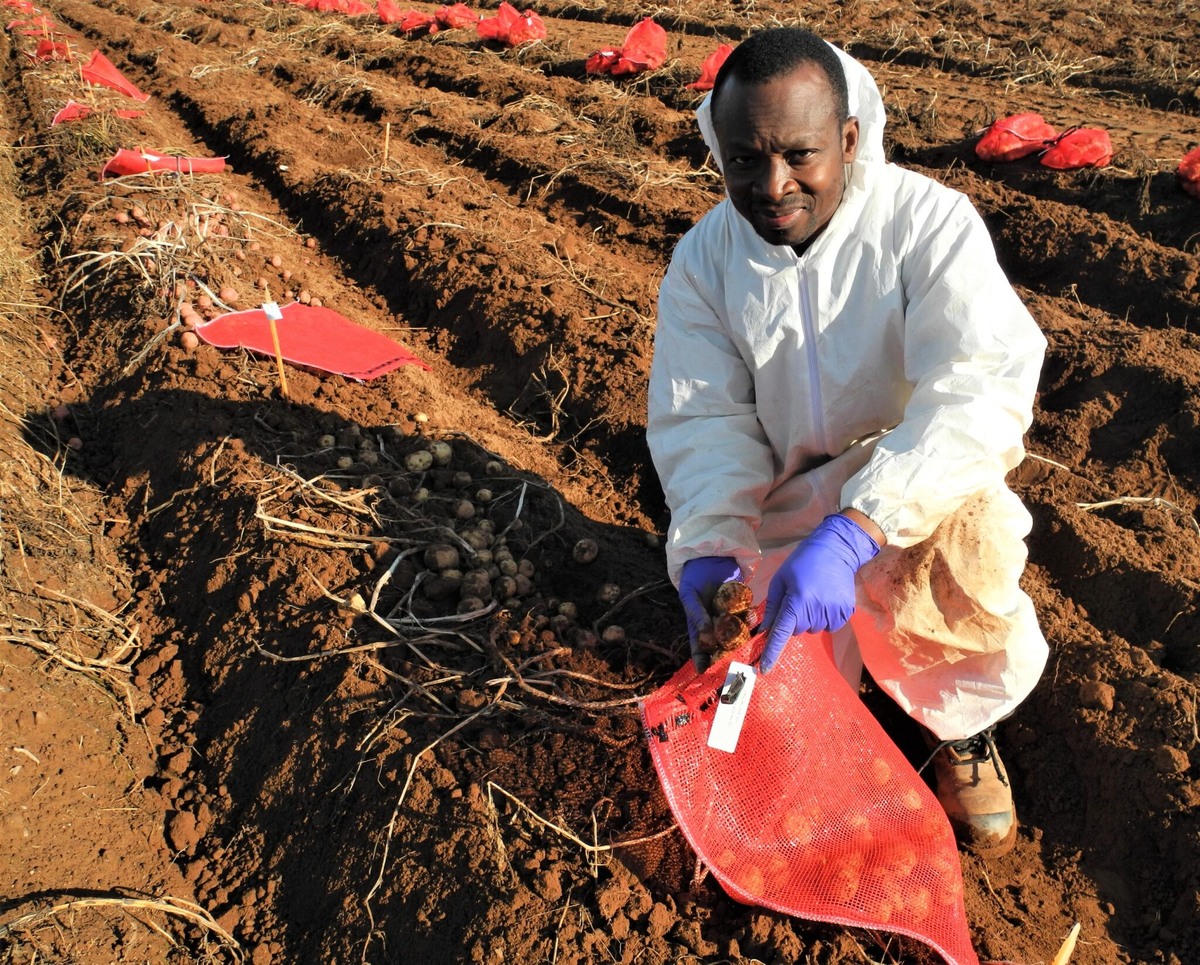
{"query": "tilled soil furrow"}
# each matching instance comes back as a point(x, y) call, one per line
point(417, 276)
point(512, 124)
point(1061, 249)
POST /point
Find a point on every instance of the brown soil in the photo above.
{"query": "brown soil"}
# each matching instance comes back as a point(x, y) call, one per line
point(193, 713)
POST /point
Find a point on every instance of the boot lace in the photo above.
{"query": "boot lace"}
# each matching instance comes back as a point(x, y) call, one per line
point(979, 749)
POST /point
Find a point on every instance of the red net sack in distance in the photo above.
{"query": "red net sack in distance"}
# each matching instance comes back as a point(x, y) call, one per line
point(815, 813)
point(1014, 137)
point(708, 69)
point(1083, 147)
point(1188, 172)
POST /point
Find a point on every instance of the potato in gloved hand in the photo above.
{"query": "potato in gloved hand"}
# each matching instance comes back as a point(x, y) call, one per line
point(731, 605)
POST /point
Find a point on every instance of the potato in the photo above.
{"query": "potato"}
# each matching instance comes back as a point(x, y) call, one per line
point(947, 891)
point(841, 881)
point(880, 771)
point(585, 551)
point(753, 881)
point(730, 631)
point(442, 453)
point(899, 858)
point(858, 827)
point(418, 461)
point(469, 604)
point(798, 825)
point(877, 909)
point(732, 597)
point(441, 556)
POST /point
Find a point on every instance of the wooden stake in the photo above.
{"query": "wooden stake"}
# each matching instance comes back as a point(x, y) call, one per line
point(272, 312)
point(387, 143)
point(1068, 947)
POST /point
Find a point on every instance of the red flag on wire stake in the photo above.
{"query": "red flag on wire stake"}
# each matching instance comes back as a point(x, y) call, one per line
point(126, 162)
point(52, 50)
point(74, 111)
point(99, 70)
point(317, 338)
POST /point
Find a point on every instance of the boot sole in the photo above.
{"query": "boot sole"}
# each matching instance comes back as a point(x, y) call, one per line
point(988, 847)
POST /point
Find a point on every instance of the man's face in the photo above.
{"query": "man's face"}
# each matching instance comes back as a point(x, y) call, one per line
point(783, 152)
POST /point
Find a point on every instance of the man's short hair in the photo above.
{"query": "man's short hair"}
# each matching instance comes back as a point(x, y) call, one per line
point(780, 50)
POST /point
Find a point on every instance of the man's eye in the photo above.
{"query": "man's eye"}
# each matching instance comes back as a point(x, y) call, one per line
point(799, 157)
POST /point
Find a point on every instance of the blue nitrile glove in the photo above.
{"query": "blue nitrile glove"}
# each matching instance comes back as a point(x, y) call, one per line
point(698, 581)
point(814, 588)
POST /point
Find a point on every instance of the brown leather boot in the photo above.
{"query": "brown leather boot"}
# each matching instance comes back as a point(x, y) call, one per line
point(973, 790)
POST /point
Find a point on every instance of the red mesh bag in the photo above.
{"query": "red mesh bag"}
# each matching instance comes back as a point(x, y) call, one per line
point(708, 69)
point(1189, 172)
point(389, 11)
point(455, 16)
point(414, 21)
point(815, 813)
point(1015, 137)
point(1080, 147)
point(511, 28)
point(645, 48)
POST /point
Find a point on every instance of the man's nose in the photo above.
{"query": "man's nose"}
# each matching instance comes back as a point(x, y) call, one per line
point(776, 179)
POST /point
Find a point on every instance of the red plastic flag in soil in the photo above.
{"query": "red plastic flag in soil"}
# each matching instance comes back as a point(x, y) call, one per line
point(708, 69)
point(318, 338)
point(74, 111)
point(456, 16)
point(645, 48)
point(813, 812)
point(126, 162)
point(25, 6)
point(1080, 147)
point(511, 28)
point(1189, 172)
point(99, 70)
point(52, 50)
point(40, 26)
point(1013, 137)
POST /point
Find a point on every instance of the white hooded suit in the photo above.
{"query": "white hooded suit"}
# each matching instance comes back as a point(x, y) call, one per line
point(890, 368)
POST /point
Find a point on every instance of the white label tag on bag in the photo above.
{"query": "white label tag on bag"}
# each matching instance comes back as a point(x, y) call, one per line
point(731, 707)
point(272, 311)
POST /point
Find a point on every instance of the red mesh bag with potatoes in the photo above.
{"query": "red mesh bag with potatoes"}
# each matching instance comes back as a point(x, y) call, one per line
point(815, 813)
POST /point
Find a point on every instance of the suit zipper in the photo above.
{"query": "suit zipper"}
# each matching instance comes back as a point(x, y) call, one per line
point(810, 350)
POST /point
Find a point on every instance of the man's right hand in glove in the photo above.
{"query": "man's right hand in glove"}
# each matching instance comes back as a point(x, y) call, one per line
point(698, 582)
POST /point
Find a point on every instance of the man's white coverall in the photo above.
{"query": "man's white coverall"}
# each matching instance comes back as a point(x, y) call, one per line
point(891, 368)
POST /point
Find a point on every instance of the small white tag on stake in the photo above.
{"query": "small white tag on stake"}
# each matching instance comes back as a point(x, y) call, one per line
point(273, 312)
point(731, 707)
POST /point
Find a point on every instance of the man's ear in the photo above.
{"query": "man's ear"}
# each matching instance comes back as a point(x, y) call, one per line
point(849, 140)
